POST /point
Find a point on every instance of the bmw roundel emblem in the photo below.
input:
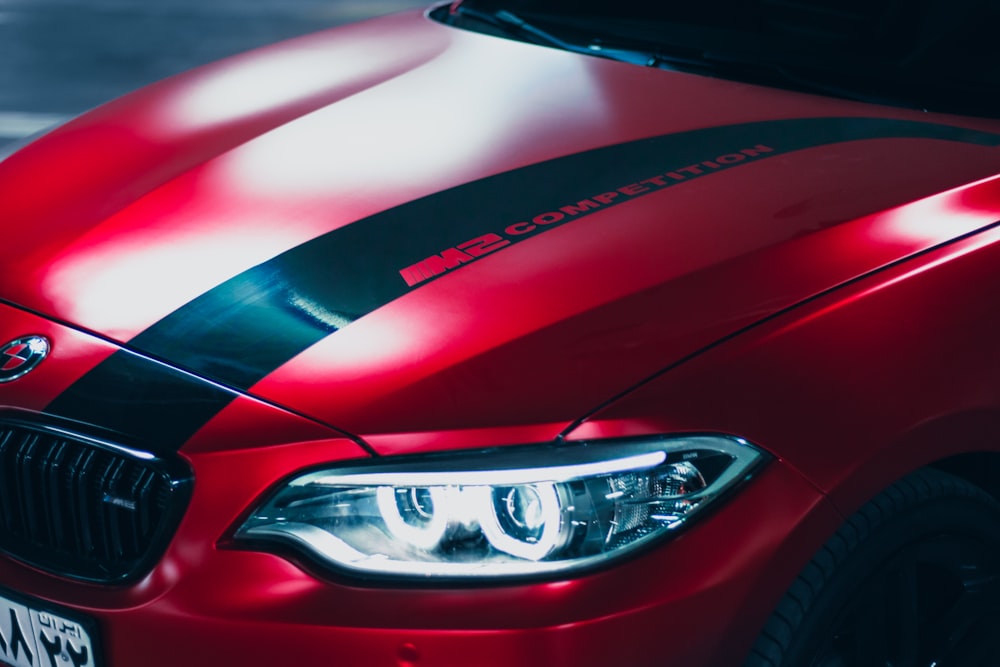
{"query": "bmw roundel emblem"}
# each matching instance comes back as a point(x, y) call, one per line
point(20, 356)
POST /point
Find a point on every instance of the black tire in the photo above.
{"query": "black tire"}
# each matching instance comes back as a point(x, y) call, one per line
point(911, 580)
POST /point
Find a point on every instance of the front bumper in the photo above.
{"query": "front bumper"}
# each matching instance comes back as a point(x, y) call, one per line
point(696, 600)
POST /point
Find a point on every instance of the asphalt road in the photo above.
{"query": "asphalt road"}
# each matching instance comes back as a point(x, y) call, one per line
point(61, 57)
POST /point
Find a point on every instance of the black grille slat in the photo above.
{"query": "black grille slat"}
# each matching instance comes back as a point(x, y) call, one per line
point(51, 464)
point(141, 491)
point(83, 508)
point(8, 512)
point(25, 488)
point(112, 537)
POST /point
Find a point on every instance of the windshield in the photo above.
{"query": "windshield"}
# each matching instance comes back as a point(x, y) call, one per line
point(939, 55)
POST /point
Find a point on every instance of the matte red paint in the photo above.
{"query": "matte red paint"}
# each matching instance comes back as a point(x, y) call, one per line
point(262, 609)
point(866, 384)
point(816, 303)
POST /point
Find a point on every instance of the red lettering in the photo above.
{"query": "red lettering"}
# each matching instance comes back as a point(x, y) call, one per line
point(451, 258)
point(655, 180)
point(579, 207)
point(483, 245)
point(633, 189)
point(519, 228)
point(732, 158)
point(548, 218)
point(413, 275)
point(434, 265)
point(757, 150)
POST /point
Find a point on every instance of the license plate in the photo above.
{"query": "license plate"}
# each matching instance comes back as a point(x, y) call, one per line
point(32, 635)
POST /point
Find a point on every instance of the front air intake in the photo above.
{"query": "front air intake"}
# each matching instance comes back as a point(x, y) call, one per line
point(84, 508)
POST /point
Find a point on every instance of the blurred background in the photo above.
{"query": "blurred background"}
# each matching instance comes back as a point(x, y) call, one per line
point(61, 57)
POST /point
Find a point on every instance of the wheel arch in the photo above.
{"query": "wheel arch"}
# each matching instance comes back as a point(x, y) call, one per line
point(963, 443)
point(930, 445)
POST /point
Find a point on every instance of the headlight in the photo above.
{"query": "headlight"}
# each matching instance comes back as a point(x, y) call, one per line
point(513, 512)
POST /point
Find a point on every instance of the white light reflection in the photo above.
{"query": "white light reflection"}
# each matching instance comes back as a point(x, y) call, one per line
point(126, 284)
point(395, 134)
point(513, 477)
point(934, 219)
point(321, 67)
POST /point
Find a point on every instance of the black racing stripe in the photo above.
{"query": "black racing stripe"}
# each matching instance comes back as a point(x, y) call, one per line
point(151, 403)
point(245, 328)
point(242, 330)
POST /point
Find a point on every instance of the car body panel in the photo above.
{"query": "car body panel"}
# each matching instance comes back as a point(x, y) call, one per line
point(903, 360)
point(271, 264)
point(322, 179)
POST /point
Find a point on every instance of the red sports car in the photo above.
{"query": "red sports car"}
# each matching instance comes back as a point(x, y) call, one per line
point(516, 334)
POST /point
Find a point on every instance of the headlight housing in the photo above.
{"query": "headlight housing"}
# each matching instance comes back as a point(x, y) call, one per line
point(500, 513)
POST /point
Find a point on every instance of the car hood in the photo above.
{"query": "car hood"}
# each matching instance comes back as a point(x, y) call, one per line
point(400, 228)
